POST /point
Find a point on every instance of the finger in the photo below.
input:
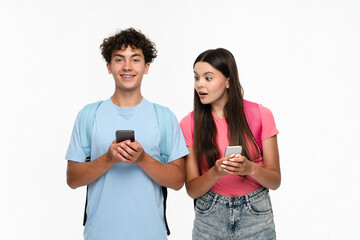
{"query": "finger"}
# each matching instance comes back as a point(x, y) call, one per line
point(219, 167)
point(133, 146)
point(223, 170)
point(239, 159)
point(125, 151)
point(232, 164)
point(228, 171)
point(226, 158)
point(229, 168)
point(229, 156)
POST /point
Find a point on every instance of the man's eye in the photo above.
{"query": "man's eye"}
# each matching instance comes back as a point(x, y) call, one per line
point(136, 60)
point(118, 60)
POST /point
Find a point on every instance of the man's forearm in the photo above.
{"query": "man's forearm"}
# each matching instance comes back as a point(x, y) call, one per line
point(170, 175)
point(82, 174)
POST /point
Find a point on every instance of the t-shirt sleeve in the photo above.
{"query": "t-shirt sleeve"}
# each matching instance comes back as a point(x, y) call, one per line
point(74, 151)
point(186, 127)
point(179, 148)
point(268, 123)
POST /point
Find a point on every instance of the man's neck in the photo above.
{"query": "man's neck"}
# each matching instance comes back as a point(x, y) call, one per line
point(125, 99)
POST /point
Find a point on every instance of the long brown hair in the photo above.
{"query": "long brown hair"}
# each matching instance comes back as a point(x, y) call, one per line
point(204, 126)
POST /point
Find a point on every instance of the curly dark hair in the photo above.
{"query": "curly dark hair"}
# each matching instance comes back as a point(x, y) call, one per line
point(128, 37)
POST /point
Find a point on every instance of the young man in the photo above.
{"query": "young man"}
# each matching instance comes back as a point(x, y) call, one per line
point(125, 179)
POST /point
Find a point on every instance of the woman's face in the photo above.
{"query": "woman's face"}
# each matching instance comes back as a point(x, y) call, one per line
point(210, 84)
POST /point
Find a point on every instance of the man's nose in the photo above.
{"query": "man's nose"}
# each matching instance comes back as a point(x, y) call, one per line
point(127, 66)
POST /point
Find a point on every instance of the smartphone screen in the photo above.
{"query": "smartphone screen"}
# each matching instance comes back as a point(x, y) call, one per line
point(233, 149)
point(122, 135)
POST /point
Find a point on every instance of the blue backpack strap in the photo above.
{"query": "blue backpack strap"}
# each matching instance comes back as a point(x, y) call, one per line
point(87, 115)
point(165, 124)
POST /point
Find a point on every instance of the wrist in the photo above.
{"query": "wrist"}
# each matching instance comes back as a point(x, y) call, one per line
point(214, 174)
point(107, 160)
point(253, 169)
point(142, 160)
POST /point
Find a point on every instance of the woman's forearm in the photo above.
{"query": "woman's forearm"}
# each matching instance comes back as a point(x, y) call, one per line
point(266, 177)
point(201, 184)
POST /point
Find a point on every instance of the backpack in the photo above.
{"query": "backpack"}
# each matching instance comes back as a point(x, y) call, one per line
point(253, 118)
point(164, 116)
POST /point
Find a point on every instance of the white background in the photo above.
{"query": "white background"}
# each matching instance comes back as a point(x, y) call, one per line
point(298, 58)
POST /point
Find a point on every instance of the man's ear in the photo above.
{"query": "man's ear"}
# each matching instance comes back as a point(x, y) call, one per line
point(108, 65)
point(147, 66)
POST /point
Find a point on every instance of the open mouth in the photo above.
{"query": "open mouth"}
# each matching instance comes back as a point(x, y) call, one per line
point(127, 76)
point(202, 93)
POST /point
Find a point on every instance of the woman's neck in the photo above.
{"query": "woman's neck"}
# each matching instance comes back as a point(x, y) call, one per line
point(218, 109)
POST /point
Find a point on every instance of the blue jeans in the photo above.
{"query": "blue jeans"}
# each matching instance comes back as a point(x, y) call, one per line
point(244, 217)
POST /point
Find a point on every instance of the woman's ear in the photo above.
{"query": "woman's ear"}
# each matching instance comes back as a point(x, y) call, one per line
point(227, 83)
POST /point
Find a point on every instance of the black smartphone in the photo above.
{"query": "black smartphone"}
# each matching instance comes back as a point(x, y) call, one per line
point(122, 135)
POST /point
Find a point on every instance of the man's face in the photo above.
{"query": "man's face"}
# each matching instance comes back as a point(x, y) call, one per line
point(128, 67)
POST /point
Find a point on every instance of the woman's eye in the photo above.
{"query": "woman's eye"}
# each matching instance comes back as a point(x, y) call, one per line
point(209, 78)
point(196, 78)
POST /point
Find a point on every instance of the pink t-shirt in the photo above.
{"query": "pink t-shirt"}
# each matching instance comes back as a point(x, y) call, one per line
point(232, 185)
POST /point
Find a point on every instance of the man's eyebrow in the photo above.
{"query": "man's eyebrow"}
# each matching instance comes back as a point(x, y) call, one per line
point(136, 55)
point(120, 55)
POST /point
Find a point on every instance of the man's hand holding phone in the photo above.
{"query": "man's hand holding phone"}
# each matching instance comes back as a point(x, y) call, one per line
point(128, 149)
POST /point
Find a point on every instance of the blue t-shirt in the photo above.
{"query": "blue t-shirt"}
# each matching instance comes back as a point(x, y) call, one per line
point(125, 203)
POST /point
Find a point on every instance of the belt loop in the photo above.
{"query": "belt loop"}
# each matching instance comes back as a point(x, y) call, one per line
point(216, 197)
point(247, 198)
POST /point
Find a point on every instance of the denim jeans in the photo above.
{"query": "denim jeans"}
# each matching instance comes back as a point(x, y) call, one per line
point(245, 217)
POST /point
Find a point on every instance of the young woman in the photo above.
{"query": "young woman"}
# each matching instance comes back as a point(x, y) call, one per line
point(231, 192)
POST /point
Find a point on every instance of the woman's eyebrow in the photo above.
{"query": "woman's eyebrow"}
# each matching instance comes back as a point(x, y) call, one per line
point(209, 73)
point(205, 73)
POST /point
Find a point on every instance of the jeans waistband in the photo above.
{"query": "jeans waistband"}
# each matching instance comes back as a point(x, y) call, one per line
point(239, 200)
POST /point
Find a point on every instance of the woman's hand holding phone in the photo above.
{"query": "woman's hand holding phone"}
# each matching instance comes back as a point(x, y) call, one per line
point(238, 165)
point(218, 170)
